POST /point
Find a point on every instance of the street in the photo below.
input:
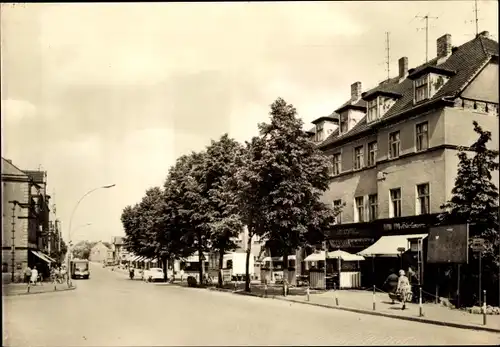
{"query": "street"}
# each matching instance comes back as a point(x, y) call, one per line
point(111, 310)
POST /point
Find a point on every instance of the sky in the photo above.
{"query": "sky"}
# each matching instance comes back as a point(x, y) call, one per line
point(99, 94)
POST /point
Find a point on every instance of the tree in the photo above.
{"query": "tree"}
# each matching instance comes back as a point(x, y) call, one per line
point(252, 194)
point(58, 254)
point(82, 249)
point(475, 199)
point(297, 176)
point(221, 163)
point(291, 175)
point(185, 192)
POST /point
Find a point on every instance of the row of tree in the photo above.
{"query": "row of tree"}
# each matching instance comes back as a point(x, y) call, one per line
point(272, 185)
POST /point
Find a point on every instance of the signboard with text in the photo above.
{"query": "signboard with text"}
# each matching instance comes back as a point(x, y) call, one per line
point(448, 244)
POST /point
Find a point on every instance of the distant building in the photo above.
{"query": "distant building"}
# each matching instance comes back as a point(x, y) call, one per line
point(120, 254)
point(100, 252)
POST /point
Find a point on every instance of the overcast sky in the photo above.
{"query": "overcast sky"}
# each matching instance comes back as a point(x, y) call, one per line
point(112, 93)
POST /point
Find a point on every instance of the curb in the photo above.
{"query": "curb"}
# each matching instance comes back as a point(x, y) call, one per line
point(388, 315)
point(35, 293)
point(361, 311)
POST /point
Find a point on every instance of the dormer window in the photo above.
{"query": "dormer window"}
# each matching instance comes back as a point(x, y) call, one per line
point(372, 114)
point(319, 132)
point(378, 103)
point(344, 123)
point(422, 88)
point(428, 81)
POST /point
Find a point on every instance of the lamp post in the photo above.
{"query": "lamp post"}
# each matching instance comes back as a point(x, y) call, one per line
point(70, 251)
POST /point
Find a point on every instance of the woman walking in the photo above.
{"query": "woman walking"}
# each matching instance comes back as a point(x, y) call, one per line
point(404, 288)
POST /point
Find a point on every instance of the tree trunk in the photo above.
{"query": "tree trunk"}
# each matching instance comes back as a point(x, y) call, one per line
point(285, 272)
point(221, 264)
point(200, 265)
point(247, 263)
point(164, 264)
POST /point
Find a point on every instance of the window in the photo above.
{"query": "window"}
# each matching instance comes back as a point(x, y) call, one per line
point(373, 207)
point(319, 132)
point(394, 144)
point(337, 204)
point(395, 206)
point(422, 88)
point(5, 267)
point(337, 167)
point(372, 153)
point(423, 200)
point(422, 136)
point(343, 123)
point(358, 157)
point(372, 110)
point(229, 264)
point(360, 210)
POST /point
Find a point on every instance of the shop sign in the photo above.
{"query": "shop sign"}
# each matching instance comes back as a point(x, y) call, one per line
point(352, 243)
point(346, 231)
point(403, 226)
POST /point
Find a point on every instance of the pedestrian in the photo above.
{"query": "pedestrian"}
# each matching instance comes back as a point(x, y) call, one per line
point(391, 285)
point(404, 288)
point(27, 275)
point(182, 274)
point(34, 275)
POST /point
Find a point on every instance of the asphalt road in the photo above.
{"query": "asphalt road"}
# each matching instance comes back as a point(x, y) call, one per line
point(111, 310)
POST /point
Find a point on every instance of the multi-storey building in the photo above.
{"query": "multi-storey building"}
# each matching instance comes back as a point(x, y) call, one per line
point(393, 148)
point(25, 219)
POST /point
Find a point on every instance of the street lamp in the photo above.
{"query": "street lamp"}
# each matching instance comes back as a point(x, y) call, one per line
point(71, 221)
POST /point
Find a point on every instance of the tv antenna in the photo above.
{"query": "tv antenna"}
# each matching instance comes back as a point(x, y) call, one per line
point(476, 17)
point(388, 50)
point(426, 28)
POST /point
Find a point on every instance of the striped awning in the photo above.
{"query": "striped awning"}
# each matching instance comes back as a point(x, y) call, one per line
point(135, 258)
point(41, 256)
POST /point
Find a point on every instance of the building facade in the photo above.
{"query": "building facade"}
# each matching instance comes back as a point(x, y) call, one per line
point(100, 253)
point(393, 148)
point(25, 220)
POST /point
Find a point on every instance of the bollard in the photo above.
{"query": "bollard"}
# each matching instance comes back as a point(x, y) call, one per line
point(235, 286)
point(484, 307)
point(308, 293)
point(437, 294)
point(420, 308)
point(265, 289)
point(373, 298)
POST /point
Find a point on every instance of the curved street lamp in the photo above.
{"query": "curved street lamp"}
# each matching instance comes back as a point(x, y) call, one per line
point(71, 221)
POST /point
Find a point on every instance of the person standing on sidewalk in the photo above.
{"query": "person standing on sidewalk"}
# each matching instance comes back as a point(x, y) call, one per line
point(391, 285)
point(403, 288)
point(27, 275)
point(34, 275)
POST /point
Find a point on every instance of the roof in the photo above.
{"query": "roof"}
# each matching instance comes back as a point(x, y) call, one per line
point(332, 118)
point(465, 62)
point(8, 168)
point(36, 176)
point(118, 240)
point(390, 246)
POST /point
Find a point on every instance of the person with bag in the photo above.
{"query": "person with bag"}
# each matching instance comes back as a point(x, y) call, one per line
point(404, 288)
point(391, 285)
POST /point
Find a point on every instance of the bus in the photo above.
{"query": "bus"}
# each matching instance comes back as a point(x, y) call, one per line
point(80, 269)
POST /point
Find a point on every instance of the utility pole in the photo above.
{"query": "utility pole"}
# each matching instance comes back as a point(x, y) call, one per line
point(388, 49)
point(426, 28)
point(13, 246)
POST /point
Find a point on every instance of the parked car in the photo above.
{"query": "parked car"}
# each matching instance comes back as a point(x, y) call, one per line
point(154, 274)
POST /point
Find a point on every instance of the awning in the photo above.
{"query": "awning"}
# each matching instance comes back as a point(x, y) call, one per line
point(388, 245)
point(290, 257)
point(140, 259)
point(316, 257)
point(49, 258)
point(131, 257)
point(345, 256)
point(41, 256)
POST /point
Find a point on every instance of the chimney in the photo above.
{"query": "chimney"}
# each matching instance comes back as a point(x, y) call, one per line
point(355, 91)
point(444, 46)
point(484, 34)
point(403, 67)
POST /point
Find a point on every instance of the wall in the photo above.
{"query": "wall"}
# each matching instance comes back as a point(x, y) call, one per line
point(459, 129)
point(406, 173)
point(485, 85)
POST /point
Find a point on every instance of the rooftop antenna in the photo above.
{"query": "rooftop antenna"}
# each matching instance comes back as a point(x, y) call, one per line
point(426, 28)
point(388, 49)
point(477, 19)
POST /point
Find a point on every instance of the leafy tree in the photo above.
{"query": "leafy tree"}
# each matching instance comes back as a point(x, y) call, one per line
point(81, 250)
point(185, 192)
point(58, 254)
point(475, 200)
point(252, 195)
point(295, 174)
point(221, 163)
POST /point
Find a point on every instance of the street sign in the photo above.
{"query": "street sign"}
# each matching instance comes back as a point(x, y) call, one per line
point(477, 244)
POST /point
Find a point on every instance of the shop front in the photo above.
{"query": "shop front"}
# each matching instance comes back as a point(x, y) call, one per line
point(387, 245)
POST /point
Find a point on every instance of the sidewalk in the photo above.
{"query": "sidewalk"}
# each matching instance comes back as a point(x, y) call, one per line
point(13, 289)
point(362, 302)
